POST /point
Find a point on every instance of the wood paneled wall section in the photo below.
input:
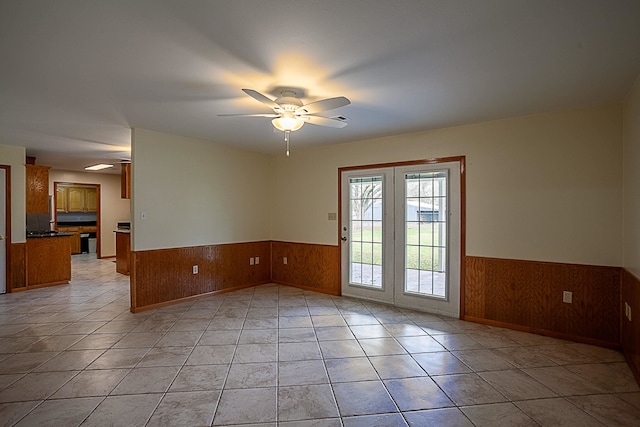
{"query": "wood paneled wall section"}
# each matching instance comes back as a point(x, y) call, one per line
point(528, 295)
point(165, 275)
point(630, 329)
point(309, 266)
point(18, 265)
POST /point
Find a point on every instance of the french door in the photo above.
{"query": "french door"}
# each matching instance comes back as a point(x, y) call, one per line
point(401, 236)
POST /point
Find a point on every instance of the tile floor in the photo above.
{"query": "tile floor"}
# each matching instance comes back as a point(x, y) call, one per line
point(274, 355)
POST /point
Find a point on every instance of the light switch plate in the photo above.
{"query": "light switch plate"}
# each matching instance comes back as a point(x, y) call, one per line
point(567, 296)
point(332, 216)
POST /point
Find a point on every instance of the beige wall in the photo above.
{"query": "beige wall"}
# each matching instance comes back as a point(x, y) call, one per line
point(544, 187)
point(631, 186)
point(112, 208)
point(197, 192)
point(15, 157)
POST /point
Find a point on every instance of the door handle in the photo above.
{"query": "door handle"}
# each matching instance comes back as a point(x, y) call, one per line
point(344, 238)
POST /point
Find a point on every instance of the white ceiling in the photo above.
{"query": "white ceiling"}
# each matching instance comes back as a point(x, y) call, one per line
point(75, 76)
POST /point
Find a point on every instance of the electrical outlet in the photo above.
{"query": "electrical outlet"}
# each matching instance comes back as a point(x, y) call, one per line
point(257, 260)
point(195, 269)
point(284, 260)
point(567, 296)
point(252, 261)
point(627, 308)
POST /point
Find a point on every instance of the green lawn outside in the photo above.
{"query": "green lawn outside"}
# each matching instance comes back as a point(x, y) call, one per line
point(419, 240)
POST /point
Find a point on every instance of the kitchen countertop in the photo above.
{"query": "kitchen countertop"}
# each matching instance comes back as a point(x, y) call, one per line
point(52, 234)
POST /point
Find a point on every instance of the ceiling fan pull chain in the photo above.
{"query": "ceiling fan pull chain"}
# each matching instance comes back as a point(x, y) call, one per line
point(286, 139)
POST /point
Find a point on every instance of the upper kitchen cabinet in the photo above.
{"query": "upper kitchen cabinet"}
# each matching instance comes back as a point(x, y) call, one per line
point(37, 196)
point(125, 180)
point(91, 199)
point(61, 199)
point(77, 199)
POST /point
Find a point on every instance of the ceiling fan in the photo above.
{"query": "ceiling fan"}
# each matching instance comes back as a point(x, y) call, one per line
point(290, 114)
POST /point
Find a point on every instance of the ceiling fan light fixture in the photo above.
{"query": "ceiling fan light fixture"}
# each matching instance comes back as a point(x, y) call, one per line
point(287, 123)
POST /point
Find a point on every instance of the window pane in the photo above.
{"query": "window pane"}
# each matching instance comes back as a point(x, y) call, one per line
point(425, 250)
point(365, 236)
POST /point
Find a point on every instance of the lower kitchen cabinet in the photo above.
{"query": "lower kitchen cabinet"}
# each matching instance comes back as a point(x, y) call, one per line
point(123, 252)
point(75, 232)
point(48, 261)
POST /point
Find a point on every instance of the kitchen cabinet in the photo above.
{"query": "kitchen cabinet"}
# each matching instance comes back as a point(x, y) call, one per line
point(91, 199)
point(77, 199)
point(48, 261)
point(123, 251)
point(75, 237)
point(37, 196)
point(125, 180)
point(61, 199)
point(75, 232)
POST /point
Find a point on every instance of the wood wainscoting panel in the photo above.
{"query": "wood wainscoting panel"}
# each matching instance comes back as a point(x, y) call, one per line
point(474, 293)
point(18, 268)
point(309, 266)
point(527, 295)
point(165, 275)
point(630, 328)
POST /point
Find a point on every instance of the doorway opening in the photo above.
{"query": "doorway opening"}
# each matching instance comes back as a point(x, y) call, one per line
point(76, 208)
point(402, 233)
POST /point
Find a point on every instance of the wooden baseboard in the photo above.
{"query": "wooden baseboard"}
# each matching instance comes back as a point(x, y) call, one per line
point(544, 332)
point(194, 297)
point(306, 288)
point(41, 285)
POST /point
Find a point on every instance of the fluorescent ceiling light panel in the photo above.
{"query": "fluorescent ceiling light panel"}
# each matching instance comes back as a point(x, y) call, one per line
point(98, 167)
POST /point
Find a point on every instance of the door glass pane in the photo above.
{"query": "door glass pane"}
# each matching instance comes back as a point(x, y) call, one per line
point(365, 235)
point(426, 238)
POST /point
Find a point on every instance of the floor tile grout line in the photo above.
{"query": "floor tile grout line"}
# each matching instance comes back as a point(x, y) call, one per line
point(326, 370)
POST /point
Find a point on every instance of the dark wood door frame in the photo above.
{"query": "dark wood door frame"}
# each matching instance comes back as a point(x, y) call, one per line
point(7, 225)
point(98, 208)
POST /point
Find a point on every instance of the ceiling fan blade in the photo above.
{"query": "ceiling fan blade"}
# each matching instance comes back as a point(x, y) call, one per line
point(261, 98)
point(323, 105)
point(324, 121)
point(270, 115)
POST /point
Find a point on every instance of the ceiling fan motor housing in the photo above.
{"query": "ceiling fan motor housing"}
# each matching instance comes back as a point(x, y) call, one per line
point(289, 103)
